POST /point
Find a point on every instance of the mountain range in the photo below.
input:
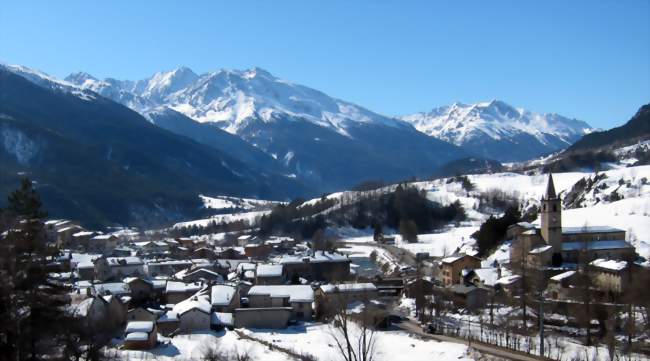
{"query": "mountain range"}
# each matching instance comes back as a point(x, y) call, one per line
point(497, 130)
point(148, 147)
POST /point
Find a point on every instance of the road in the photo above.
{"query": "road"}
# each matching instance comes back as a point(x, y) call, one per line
point(414, 328)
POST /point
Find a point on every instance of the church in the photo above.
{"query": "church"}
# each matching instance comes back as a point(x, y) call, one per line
point(550, 244)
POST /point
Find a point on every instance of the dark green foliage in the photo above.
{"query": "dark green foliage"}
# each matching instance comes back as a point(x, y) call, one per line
point(409, 230)
point(376, 210)
point(493, 230)
point(576, 160)
point(471, 165)
point(31, 306)
point(25, 201)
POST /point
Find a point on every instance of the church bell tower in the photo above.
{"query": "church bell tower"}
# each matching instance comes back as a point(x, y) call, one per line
point(551, 214)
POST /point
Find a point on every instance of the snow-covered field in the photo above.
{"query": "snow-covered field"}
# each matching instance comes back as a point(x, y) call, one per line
point(316, 339)
point(193, 346)
point(225, 203)
point(250, 217)
point(311, 338)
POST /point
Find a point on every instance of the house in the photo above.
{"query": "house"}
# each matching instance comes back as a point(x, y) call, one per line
point(269, 274)
point(175, 291)
point(140, 335)
point(482, 277)
point(116, 310)
point(81, 239)
point(204, 252)
point(610, 276)
point(200, 274)
point(194, 313)
point(224, 298)
point(318, 266)
point(118, 267)
point(417, 286)
point(141, 289)
point(152, 247)
point(167, 267)
point(64, 235)
point(568, 244)
point(560, 286)
point(266, 317)
point(103, 243)
point(231, 253)
point(331, 297)
point(167, 323)
point(112, 288)
point(143, 314)
point(86, 270)
point(469, 297)
point(452, 267)
point(257, 251)
point(92, 310)
point(389, 286)
point(298, 297)
point(509, 285)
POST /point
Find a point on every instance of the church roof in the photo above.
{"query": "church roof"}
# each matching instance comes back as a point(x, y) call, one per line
point(550, 188)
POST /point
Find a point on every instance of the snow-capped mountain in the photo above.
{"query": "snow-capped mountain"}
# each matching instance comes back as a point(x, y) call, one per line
point(325, 140)
point(500, 131)
point(232, 98)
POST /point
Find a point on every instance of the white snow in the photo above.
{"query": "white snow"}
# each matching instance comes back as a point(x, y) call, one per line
point(462, 123)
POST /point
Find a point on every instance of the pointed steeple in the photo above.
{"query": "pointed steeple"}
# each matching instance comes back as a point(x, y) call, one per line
point(550, 188)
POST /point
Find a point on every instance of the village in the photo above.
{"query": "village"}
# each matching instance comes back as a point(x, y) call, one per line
point(133, 290)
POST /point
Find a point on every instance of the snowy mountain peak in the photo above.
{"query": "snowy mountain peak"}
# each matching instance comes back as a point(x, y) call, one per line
point(494, 121)
point(232, 99)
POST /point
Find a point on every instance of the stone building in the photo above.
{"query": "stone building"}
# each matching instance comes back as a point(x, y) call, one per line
point(552, 244)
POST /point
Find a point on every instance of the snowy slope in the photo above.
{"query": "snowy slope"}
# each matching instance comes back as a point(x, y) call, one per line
point(496, 124)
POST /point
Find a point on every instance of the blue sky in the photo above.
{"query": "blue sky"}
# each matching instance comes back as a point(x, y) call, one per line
point(583, 59)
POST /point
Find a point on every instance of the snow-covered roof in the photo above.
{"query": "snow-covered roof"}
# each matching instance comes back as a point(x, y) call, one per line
point(169, 316)
point(139, 326)
point(200, 301)
point(246, 266)
point(114, 288)
point(175, 286)
point(489, 276)
point(530, 232)
point(539, 250)
point(595, 245)
point(451, 259)
point(295, 293)
point(318, 257)
point(137, 336)
point(269, 270)
point(563, 275)
point(83, 234)
point(508, 280)
point(222, 318)
point(348, 287)
point(526, 225)
point(85, 265)
point(222, 295)
point(171, 262)
point(124, 261)
point(103, 237)
point(590, 229)
point(609, 264)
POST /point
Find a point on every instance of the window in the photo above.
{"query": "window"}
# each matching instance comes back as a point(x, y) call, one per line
point(555, 208)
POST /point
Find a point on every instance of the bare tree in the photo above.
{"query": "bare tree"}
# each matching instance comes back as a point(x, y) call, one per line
point(354, 332)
